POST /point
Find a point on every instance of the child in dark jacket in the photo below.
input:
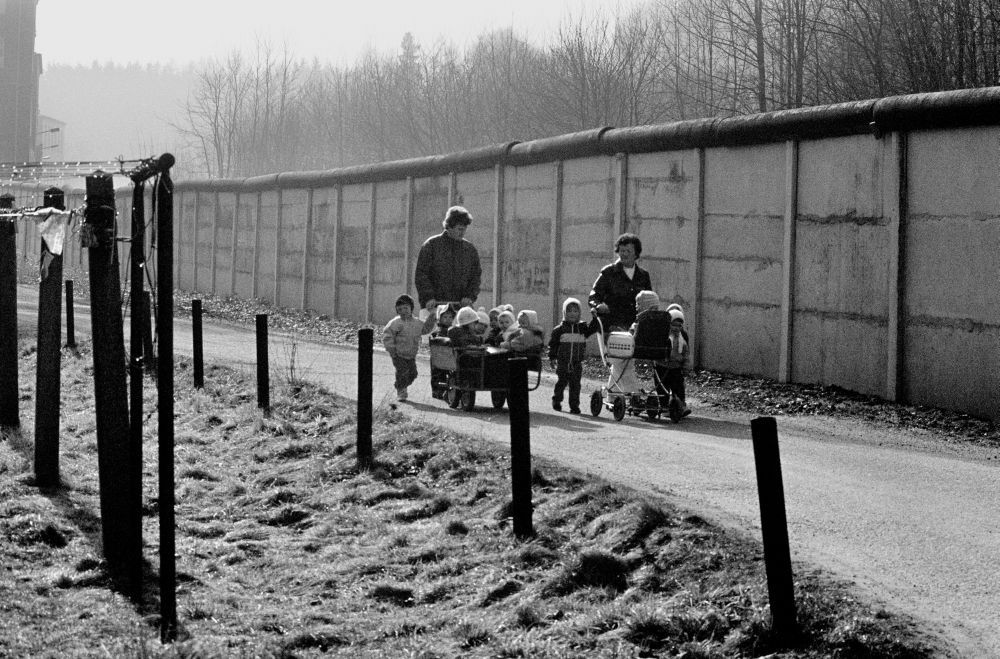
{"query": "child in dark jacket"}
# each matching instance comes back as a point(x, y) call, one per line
point(463, 333)
point(566, 352)
point(439, 376)
point(680, 351)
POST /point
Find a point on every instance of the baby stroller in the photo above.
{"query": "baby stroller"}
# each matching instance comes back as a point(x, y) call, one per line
point(624, 393)
point(468, 370)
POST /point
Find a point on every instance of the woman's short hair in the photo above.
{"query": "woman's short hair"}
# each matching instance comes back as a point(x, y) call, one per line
point(457, 215)
point(629, 239)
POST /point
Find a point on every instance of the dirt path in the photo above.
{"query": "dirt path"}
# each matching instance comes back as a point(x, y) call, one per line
point(916, 526)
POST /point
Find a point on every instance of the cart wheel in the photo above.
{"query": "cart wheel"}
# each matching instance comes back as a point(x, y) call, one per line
point(499, 398)
point(596, 403)
point(618, 408)
point(468, 400)
point(453, 396)
point(675, 409)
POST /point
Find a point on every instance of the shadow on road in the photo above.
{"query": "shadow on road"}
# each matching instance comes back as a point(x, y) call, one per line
point(702, 426)
point(585, 423)
point(501, 417)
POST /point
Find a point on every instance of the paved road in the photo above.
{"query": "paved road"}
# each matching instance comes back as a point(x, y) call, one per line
point(916, 526)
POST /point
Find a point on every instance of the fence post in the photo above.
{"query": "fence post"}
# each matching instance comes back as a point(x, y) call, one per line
point(520, 447)
point(121, 514)
point(197, 347)
point(148, 355)
point(47, 372)
point(70, 324)
point(9, 416)
point(165, 398)
point(777, 557)
point(263, 369)
point(137, 265)
point(366, 340)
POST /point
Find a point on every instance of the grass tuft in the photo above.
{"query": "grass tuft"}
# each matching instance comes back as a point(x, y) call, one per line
point(398, 595)
point(591, 569)
point(323, 640)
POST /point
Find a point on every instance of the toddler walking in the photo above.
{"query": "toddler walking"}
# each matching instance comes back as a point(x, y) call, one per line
point(566, 352)
point(401, 338)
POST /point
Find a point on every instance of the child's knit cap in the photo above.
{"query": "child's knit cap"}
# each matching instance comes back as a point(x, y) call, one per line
point(646, 300)
point(466, 316)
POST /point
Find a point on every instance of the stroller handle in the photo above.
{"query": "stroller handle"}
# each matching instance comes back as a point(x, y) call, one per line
point(600, 337)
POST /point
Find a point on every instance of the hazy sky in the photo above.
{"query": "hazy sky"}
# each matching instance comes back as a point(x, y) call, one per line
point(182, 31)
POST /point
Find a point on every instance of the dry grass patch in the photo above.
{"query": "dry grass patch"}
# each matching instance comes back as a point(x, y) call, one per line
point(286, 550)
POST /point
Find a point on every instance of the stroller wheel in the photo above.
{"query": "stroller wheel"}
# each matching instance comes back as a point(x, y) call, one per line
point(596, 403)
point(453, 396)
point(618, 408)
point(653, 413)
point(468, 400)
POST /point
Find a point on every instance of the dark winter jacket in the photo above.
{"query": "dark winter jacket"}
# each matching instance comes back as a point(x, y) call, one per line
point(615, 289)
point(568, 342)
point(447, 270)
point(462, 336)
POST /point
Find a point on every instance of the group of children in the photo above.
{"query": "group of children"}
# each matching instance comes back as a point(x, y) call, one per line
point(500, 328)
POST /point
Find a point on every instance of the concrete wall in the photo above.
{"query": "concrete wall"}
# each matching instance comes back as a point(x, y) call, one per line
point(852, 245)
point(951, 297)
point(741, 259)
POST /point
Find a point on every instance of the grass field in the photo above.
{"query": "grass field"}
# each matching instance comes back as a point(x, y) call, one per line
point(284, 549)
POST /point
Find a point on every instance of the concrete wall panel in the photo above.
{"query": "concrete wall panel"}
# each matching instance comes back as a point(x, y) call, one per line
point(224, 243)
point(745, 181)
point(477, 192)
point(742, 259)
point(952, 329)
point(320, 244)
point(206, 227)
point(352, 257)
point(739, 338)
point(430, 202)
point(843, 249)
point(848, 351)
point(291, 246)
point(530, 212)
point(389, 268)
point(268, 227)
point(184, 251)
point(843, 177)
point(246, 236)
point(954, 367)
point(663, 211)
point(589, 199)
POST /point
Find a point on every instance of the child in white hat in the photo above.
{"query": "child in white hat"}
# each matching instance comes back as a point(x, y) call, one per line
point(680, 353)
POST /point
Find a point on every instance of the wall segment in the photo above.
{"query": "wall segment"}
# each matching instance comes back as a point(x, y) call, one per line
point(851, 245)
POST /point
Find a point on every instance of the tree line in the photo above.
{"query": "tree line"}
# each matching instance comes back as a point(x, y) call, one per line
point(668, 60)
